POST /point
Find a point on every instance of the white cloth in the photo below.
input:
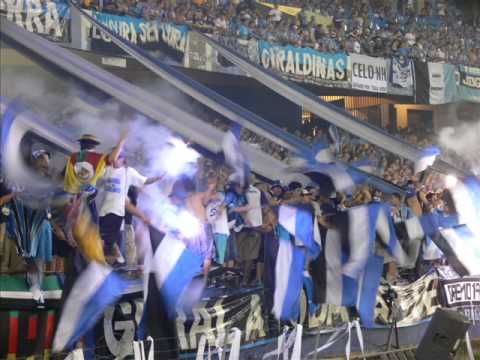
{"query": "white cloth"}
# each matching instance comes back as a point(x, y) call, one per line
point(254, 215)
point(114, 188)
point(216, 217)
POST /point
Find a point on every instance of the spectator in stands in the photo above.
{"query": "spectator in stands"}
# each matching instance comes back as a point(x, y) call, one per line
point(113, 198)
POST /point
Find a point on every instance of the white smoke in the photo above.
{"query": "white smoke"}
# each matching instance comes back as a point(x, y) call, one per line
point(463, 140)
point(150, 148)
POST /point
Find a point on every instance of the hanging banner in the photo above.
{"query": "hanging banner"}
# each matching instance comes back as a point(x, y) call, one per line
point(115, 332)
point(150, 35)
point(200, 55)
point(369, 73)
point(305, 64)
point(442, 83)
point(468, 88)
point(401, 76)
point(48, 18)
point(463, 291)
point(463, 294)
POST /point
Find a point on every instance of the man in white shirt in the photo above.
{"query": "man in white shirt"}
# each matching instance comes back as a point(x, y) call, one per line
point(113, 198)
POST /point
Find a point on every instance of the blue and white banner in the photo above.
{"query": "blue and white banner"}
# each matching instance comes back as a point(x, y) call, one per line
point(401, 76)
point(95, 290)
point(140, 32)
point(305, 64)
point(48, 18)
point(369, 73)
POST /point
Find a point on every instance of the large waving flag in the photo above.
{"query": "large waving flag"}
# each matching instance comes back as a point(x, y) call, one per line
point(299, 236)
point(367, 165)
point(462, 249)
point(173, 266)
point(288, 277)
point(97, 288)
point(319, 153)
point(234, 155)
point(331, 177)
point(427, 158)
point(169, 270)
point(348, 273)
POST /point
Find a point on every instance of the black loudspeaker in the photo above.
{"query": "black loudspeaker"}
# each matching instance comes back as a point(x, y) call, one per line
point(441, 338)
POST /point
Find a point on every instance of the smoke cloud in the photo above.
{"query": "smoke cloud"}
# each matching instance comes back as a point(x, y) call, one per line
point(463, 140)
point(150, 148)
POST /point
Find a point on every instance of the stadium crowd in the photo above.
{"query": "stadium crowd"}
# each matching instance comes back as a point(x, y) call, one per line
point(435, 32)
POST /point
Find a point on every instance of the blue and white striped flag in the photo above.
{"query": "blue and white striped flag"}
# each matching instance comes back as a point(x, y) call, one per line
point(97, 288)
point(427, 158)
point(462, 249)
point(352, 272)
point(234, 155)
point(288, 276)
point(299, 237)
point(174, 266)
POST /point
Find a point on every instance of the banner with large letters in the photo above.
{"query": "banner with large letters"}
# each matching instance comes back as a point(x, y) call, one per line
point(150, 35)
point(49, 18)
point(369, 73)
point(463, 294)
point(306, 65)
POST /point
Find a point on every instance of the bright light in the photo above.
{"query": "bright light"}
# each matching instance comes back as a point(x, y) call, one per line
point(450, 181)
point(177, 157)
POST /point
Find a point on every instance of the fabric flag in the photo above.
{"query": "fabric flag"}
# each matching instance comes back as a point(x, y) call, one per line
point(300, 222)
point(320, 152)
point(288, 277)
point(462, 249)
point(332, 177)
point(466, 197)
point(174, 267)
point(348, 272)
point(169, 269)
point(426, 159)
point(299, 236)
point(367, 165)
point(234, 155)
point(143, 350)
point(97, 288)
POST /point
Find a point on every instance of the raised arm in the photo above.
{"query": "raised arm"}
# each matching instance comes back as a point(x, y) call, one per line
point(113, 156)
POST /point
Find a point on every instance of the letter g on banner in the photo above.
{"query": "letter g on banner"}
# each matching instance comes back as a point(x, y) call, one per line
point(120, 323)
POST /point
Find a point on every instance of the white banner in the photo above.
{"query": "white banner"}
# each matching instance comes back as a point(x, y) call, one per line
point(436, 77)
point(462, 292)
point(369, 74)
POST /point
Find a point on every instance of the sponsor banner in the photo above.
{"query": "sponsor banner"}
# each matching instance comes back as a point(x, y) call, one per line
point(369, 73)
point(461, 292)
point(150, 35)
point(442, 83)
point(49, 18)
point(305, 64)
point(401, 76)
point(468, 85)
